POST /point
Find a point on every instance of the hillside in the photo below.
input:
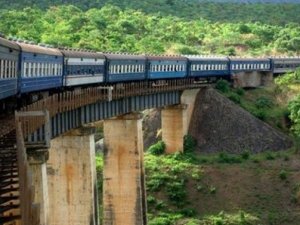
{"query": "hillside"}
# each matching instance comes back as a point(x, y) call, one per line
point(113, 29)
point(264, 11)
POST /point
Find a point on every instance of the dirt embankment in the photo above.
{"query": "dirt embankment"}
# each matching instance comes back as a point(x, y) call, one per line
point(220, 125)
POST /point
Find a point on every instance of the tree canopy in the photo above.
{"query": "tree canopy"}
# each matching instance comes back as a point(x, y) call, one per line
point(112, 29)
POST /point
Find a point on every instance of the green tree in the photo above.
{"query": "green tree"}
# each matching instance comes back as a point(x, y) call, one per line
point(294, 107)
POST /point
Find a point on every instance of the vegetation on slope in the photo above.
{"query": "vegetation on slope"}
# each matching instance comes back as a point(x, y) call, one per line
point(111, 29)
point(229, 11)
point(222, 189)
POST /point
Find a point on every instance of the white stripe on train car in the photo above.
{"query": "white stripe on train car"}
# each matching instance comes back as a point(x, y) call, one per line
point(85, 79)
point(85, 61)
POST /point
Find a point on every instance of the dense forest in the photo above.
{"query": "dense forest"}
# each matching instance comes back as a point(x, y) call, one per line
point(220, 10)
point(112, 29)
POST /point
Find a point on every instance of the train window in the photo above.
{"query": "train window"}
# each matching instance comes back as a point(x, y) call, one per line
point(7, 68)
point(56, 69)
point(37, 69)
point(1, 68)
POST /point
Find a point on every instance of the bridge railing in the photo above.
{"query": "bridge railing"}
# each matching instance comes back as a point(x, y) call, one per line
point(30, 211)
point(32, 120)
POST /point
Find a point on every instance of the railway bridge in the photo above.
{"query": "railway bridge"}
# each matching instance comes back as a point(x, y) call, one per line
point(47, 151)
point(47, 171)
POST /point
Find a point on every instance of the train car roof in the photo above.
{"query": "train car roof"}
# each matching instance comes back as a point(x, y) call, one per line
point(39, 49)
point(115, 56)
point(166, 57)
point(206, 58)
point(248, 59)
point(287, 58)
point(81, 54)
point(9, 44)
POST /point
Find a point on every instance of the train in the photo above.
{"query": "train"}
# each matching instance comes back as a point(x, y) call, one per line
point(27, 68)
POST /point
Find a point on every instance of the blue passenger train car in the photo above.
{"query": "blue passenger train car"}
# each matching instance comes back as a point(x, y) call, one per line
point(9, 60)
point(283, 65)
point(82, 67)
point(122, 67)
point(166, 67)
point(250, 64)
point(200, 66)
point(41, 68)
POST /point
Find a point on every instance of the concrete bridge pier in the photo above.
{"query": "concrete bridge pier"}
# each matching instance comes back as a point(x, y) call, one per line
point(175, 121)
point(252, 79)
point(37, 159)
point(124, 199)
point(72, 182)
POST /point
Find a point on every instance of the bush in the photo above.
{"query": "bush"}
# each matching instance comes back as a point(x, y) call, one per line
point(260, 114)
point(283, 175)
point(158, 148)
point(240, 91)
point(188, 212)
point(189, 143)
point(269, 156)
point(263, 102)
point(227, 158)
point(294, 108)
point(223, 86)
point(176, 192)
point(235, 98)
point(245, 155)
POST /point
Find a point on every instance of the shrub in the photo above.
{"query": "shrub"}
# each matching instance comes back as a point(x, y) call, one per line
point(283, 175)
point(263, 102)
point(158, 148)
point(260, 114)
point(227, 158)
point(235, 98)
point(189, 143)
point(223, 86)
point(294, 107)
point(176, 192)
point(245, 155)
point(269, 156)
point(212, 190)
point(188, 212)
point(240, 91)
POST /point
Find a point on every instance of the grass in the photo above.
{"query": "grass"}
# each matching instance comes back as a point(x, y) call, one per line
point(181, 190)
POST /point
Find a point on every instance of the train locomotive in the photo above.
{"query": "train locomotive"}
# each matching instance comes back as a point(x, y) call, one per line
point(26, 68)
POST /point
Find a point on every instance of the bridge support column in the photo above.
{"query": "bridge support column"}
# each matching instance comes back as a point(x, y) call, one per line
point(37, 160)
point(124, 186)
point(176, 120)
point(72, 179)
point(252, 79)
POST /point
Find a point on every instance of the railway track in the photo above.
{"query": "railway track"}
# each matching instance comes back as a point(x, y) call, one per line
point(9, 180)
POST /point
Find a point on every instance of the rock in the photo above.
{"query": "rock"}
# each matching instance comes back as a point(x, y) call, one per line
point(151, 127)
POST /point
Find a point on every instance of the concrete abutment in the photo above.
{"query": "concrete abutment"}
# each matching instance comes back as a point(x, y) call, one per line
point(175, 121)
